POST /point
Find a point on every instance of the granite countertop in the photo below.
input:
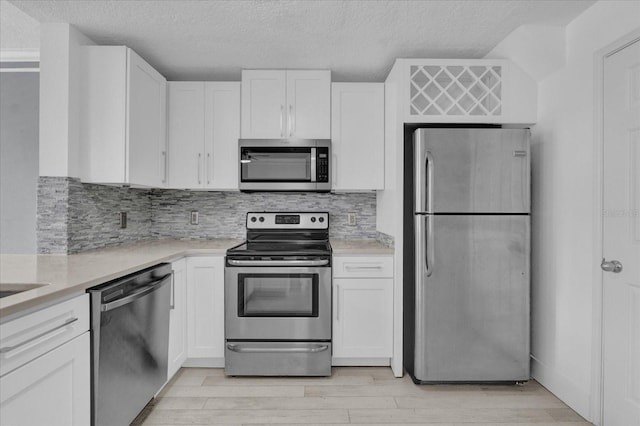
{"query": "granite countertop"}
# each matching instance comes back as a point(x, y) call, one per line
point(70, 275)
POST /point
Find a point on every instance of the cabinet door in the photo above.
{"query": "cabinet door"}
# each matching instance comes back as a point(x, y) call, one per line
point(362, 318)
point(147, 91)
point(263, 104)
point(103, 114)
point(53, 389)
point(308, 108)
point(178, 318)
point(357, 135)
point(222, 131)
point(186, 134)
point(205, 307)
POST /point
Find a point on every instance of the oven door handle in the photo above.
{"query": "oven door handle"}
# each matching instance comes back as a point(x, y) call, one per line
point(320, 262)
point(259, 349)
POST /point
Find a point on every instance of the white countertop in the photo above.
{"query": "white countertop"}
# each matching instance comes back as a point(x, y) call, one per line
point(70, 275)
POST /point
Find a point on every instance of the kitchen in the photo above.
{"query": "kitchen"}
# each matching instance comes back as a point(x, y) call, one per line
point(563, 310)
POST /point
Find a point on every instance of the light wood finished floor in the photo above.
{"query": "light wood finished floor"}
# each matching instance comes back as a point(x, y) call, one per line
point(352, 395)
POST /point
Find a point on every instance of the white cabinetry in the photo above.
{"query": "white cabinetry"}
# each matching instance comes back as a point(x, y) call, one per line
point(123, 113)
point(463, 91)
point(279, 104)
point(178, 318)
point(362, 310)
point(357, 136)
point(45, 367)
point(205, 311)
point(204, 127)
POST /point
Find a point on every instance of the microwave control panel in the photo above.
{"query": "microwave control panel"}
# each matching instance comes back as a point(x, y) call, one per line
point(322, 165)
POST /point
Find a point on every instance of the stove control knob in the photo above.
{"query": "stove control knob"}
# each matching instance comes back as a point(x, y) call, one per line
point(261, 219)
point(313, 219)
point(253, 219)
point(321, 219)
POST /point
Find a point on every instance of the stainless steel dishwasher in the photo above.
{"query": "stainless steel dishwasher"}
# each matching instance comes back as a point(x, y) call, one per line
point(129, 343)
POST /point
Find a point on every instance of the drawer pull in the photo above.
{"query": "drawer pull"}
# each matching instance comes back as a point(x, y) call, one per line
point(8, 349)
point(363, 267)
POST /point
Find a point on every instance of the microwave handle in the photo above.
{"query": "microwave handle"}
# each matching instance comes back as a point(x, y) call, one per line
point(313, 164)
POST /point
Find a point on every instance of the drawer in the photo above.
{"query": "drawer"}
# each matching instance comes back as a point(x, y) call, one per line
point(363, 266)
point(35, 334)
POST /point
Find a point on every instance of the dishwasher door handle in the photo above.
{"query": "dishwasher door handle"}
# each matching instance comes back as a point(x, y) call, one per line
point(154, 285)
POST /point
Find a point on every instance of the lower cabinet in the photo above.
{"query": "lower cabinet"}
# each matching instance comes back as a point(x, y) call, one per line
point(362, 310)
point(178, 318)
point(205, 311)
point(46, 368)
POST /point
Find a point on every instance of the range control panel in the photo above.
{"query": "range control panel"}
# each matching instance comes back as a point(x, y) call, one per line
point(285, 220)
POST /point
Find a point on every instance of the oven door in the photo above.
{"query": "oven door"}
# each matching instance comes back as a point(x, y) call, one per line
point(277, 303)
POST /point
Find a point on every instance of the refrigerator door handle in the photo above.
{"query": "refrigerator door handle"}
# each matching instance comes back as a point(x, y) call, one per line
point(424, 244)
point(429, 248)
point(429, 183)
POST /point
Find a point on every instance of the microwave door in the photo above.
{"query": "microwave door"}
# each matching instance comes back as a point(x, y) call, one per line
point(277, 166)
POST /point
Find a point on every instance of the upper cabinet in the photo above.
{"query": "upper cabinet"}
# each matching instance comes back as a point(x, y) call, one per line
point(123, 113)
point(279, 104)
point(203, 132)
point(357, 136)
point(463, 91)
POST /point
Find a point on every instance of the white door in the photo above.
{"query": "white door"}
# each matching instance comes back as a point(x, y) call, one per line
point(146, 123)
point(263, 104)
point(178, 318)
point(53, 389)
point(308, 104)
point(621, 231)
point(357, 136)
point(186, 134)
point(205, 310)
point(222, 131)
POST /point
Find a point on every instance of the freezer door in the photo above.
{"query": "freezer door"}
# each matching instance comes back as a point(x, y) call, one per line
point(471, 298)
point(471, 170)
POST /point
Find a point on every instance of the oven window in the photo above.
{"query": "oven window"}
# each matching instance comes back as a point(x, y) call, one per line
point(277, 295)
point(276, 164)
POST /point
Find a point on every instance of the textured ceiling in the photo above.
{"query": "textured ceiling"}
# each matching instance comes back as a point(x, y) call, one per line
point(357, 40)
point(18, 31)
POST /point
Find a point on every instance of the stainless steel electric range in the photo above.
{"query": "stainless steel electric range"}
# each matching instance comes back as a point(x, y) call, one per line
point(278, 297)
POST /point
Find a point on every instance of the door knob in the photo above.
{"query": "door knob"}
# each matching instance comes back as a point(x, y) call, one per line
point(611, 266)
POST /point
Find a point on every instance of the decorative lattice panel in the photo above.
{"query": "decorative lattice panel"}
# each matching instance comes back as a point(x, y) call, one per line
point(456, 90)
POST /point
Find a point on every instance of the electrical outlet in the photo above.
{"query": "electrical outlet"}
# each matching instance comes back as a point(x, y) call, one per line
point(351, 219)
point(122, 218)
point(193, 219)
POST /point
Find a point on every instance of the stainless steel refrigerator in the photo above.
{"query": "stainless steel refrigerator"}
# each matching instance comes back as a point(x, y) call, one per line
point(467, 255)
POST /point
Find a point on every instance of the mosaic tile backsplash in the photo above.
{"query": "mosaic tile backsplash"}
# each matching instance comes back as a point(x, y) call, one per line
point(73, 216)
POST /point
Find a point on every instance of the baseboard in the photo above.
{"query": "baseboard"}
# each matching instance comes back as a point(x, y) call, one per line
point(562, 387)
point(360, 362)
point(204, 362)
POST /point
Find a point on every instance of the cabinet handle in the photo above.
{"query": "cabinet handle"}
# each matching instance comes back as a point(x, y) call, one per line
point(8, 349)
point(290, 120)
point(363, 267)
point(164, 155)
point(199, 160)
point(172, 305)
point(209, 168)
point(281, 121)
point(337, 302)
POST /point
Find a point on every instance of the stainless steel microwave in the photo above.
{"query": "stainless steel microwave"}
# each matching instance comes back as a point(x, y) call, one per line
point(285, 165)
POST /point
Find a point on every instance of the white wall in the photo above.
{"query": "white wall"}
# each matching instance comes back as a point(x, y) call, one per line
point(59, 99)
point(563, 200)
point(18, 161)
